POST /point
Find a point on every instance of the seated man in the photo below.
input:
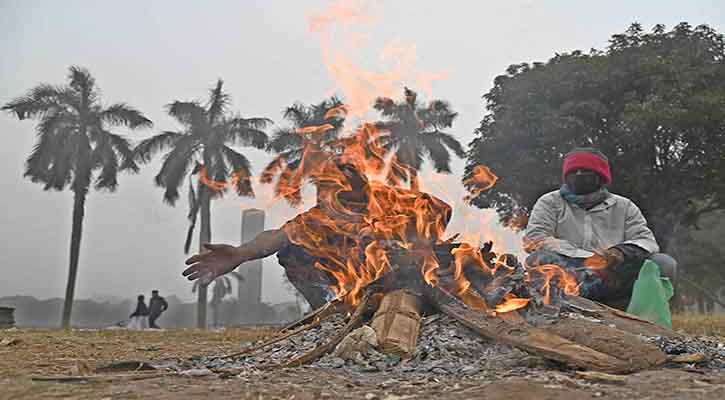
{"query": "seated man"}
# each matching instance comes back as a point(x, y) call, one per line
point(583, 225)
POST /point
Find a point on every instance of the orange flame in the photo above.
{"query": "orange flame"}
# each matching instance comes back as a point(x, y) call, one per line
point(596, 262)
point(357, 215)
point(221, 185)
point(512, 303)
point(481, 180)
point(566, 280)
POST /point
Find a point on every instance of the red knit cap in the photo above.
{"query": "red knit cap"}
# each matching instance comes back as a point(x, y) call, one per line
point(589, 159)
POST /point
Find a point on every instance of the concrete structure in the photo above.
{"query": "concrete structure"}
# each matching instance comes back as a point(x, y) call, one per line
point(250, 288)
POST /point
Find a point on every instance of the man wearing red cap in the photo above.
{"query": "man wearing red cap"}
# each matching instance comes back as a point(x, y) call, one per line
point(583, 225)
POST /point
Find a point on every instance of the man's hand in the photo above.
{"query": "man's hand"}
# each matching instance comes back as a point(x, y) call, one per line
point(206, 267)
point(608, 258)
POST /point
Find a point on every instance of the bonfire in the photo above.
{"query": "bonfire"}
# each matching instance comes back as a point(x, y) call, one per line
point(389, 264)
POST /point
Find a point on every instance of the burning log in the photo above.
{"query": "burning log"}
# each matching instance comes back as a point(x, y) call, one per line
point(526, 337)
point(397, 323)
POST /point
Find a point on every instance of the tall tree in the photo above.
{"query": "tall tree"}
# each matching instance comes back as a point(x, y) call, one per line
point(204, 148)
point(416, 132)
point(653, 102)
point(316, 125)
point(222, 287)
point(75, 148)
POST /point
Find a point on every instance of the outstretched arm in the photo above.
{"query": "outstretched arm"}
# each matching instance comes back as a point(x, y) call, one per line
point(222, 258)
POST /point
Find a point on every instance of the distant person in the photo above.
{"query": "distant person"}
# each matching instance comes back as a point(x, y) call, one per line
point(139, 320)
point(157, 305)
point(583, 224)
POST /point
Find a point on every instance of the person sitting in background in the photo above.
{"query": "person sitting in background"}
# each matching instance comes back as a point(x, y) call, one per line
point(139, 319)
point(582, 224)
point(157, 305)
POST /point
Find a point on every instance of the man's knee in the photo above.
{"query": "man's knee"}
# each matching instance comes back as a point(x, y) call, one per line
point(544, 257)
point(667, 264)
point(541, 257)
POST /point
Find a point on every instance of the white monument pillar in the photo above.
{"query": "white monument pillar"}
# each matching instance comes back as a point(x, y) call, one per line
point(250, 288)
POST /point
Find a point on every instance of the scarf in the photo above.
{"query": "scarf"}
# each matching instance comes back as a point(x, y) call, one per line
point(585, 201)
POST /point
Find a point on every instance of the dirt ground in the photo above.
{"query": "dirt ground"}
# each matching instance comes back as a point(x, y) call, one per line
point(27, 354)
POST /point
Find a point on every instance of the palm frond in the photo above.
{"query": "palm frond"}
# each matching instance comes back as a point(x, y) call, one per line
point(83, 82)
point(124, 115)
point(218, 102)
point(241, 131)
point(105, 157)
point(42, 100)
point(386, 106)
point(120, 145)
point(175, 166)
point(285, 139)
point(452, 143)
point(297, 113)
point(188, 113)
point(437, 152)
point(194, 207)
point(145, 150)
point(242, 170)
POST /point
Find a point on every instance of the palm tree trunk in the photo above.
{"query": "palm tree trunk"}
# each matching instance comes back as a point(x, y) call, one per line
point(204, 237)
point(79, 201)
point(215, 315)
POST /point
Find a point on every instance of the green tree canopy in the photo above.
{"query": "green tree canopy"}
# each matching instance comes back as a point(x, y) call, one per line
point(653, 102)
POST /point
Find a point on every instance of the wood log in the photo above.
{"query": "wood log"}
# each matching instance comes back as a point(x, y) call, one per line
point(397, 323)
point(620, 319)
point(528, 338)
point(625, 346)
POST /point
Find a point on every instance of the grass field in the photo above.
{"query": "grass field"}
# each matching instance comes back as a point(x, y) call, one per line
point(696, 324)
point(26, 353)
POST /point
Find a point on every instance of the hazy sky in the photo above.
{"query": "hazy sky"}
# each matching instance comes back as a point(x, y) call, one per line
point(148, 53)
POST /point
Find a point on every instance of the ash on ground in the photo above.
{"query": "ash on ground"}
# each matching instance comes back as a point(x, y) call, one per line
point(445, 349)
point(713, 349)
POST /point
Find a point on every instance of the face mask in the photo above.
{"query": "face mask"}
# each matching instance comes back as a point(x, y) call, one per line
point(583, 182)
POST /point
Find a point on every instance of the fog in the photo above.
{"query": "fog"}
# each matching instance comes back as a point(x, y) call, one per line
point(148, 53)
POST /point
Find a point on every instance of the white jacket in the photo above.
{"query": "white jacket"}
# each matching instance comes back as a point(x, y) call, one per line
point(567, 229)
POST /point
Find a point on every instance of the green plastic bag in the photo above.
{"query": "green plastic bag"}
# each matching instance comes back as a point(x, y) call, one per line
point(651, 295)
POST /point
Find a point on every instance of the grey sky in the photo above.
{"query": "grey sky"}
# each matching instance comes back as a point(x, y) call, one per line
point(148, 53)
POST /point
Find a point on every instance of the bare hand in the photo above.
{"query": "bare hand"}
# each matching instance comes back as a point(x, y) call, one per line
point(206, 267)
point(608, 258)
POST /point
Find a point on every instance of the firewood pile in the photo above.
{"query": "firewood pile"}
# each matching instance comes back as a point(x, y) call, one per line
point(411, 301)
point(406, 327)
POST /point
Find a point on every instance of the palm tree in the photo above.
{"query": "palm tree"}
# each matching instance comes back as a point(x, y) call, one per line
point(313, 128)
point(415, 132)
point(75, 148)
point(222, 287)
point(202, 148)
